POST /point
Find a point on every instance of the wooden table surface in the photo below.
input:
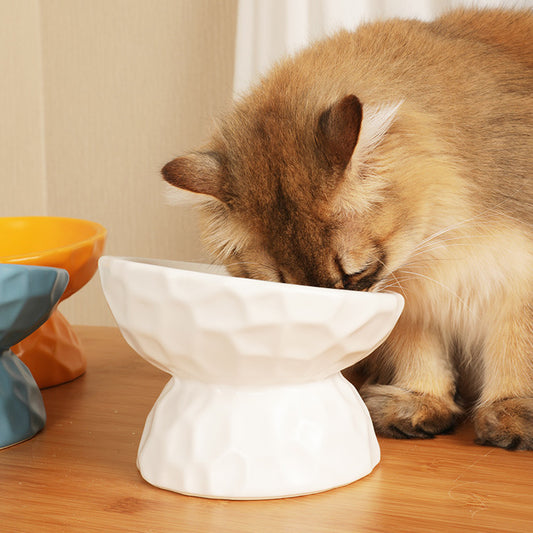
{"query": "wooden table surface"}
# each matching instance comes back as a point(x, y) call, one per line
point(79, 473)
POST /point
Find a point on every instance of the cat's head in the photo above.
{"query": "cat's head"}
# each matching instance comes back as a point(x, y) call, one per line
point(301, 195)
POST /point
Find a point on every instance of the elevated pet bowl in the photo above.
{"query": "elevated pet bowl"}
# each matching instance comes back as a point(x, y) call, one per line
point(27, 296)
point(256, 407)
point(53, 353)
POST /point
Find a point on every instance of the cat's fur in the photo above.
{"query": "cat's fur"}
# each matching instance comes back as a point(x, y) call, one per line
point(397, 157)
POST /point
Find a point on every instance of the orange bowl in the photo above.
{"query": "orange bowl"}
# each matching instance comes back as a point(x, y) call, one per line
point(53, 353)
point(69, 243)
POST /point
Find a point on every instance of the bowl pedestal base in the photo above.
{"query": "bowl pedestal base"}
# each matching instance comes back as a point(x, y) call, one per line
point(53, 353)
point(257, 442)
point(22, 412)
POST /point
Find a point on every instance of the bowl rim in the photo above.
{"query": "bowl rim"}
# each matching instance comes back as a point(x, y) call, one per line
point(101, 232)
point(151, 263)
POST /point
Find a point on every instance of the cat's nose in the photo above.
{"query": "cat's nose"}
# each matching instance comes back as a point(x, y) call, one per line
point(338, 284)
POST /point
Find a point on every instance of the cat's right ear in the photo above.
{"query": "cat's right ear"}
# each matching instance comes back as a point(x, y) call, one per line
point(199, 172)
point(338, 130)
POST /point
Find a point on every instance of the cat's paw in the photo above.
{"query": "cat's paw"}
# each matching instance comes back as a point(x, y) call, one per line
point(400, 413)
point(506, 424)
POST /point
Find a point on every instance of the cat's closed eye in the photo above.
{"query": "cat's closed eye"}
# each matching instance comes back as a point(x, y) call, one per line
point(358, 275)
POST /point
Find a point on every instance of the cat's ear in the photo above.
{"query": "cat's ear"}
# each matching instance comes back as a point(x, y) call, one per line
point(376, 123)
point(199, 172)
point(338, 130)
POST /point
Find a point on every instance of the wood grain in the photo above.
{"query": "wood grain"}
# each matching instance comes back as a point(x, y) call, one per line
point(79, 474)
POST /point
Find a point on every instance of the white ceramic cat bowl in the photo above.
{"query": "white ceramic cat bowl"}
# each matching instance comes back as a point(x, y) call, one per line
point(257, 407)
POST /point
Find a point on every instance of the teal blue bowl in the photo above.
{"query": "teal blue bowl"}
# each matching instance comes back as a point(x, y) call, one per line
point(28, 294)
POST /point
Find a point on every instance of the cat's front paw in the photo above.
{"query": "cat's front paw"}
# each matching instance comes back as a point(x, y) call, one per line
point(506, 424)
point(400, 413)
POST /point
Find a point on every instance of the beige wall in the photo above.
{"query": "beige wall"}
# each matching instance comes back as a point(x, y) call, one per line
point(96, 96)
point(21, 110)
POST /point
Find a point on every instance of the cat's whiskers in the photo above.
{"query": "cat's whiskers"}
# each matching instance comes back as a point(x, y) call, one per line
point(392, 274)
point(433, 251)
point(437, 245)
point(488, 213)
point(504, 215)
point(427, 256)
point(442, 231)
point(453, 293)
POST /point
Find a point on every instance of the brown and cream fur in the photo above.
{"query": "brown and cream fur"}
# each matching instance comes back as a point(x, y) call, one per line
point(397, 157)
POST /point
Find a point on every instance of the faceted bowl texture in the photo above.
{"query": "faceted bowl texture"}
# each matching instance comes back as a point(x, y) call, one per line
point(257, 407)
point(196, 322)
point(220, 441)
point(28, 294)
point(53, 353)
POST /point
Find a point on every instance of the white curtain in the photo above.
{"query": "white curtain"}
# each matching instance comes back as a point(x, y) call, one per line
point(269, 29)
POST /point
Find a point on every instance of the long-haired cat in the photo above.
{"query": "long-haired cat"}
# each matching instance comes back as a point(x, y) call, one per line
point(397, 157)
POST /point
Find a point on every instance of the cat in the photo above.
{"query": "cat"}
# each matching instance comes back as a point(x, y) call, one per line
point(396, 157)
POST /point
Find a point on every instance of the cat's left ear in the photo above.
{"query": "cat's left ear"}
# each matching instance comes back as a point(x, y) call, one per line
point(338, 130)
point(199, 172)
